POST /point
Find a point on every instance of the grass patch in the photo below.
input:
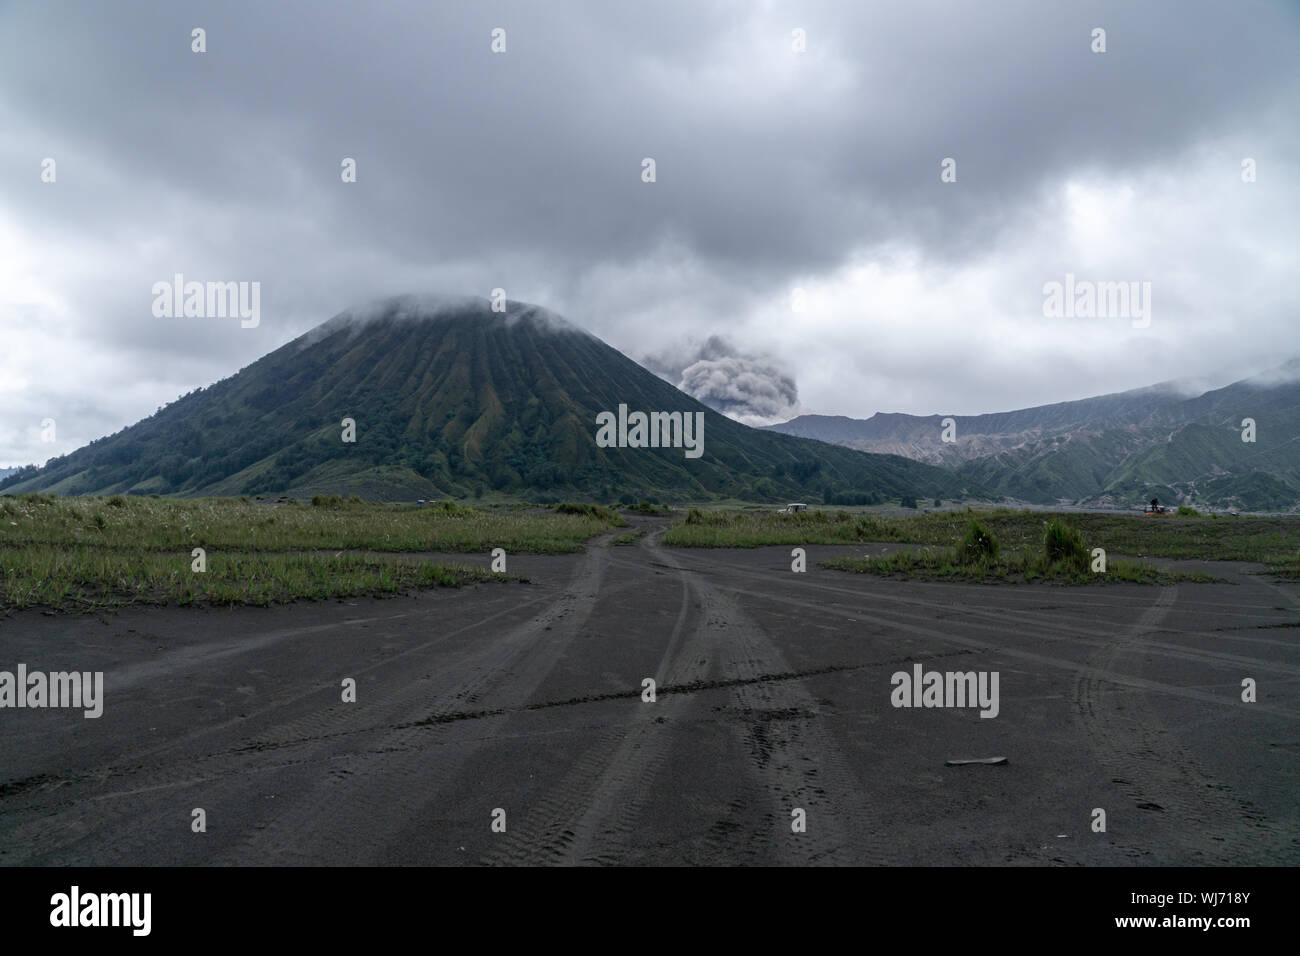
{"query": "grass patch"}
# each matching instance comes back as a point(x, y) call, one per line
point(936, 564)
point(1287, 570)
point(599, 512)
point(88, 553)
point(1272, 541)
point(630, 538)
point(80, 579)
point(730, 529)
point(644, 507)
point(337, 524)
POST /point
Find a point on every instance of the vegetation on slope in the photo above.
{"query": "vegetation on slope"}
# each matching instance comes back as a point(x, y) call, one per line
point(1118, 449)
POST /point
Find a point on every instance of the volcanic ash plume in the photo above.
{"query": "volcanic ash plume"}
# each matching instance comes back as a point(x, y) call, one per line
point(753, 390)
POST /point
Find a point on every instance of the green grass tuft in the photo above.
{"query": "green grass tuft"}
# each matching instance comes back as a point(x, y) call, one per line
point(979, 545)
point(1064, 545)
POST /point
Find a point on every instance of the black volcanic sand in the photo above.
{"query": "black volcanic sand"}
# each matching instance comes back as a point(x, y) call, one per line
point(774, 694)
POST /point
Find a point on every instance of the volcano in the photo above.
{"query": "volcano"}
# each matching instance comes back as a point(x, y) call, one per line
point(448, 397)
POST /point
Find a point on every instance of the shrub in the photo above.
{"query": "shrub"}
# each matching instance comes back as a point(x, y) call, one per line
point(938, 503)
point(978, 545)
point(1187, 512)
point(907, 501)
point(595, 511)
point(1064, 544)
point(716, 519)
point(869, 529)
point(117, 501)
point(649, 506)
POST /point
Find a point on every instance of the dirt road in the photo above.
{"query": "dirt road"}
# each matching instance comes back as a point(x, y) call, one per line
point(773, 694)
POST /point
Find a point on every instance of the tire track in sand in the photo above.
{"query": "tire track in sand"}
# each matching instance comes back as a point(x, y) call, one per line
point(1157, 774)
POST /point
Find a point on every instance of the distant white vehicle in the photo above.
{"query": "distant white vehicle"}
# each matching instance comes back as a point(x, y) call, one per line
point(793, 509)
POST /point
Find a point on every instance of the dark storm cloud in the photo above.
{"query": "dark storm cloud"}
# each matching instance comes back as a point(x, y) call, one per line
point(522, 171)
point(464, 155)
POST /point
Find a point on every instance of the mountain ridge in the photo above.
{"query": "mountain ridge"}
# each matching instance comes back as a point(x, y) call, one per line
point(1116, 449)
point(452, 398)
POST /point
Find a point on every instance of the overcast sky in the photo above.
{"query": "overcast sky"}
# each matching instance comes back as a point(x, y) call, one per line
point(775, 170)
